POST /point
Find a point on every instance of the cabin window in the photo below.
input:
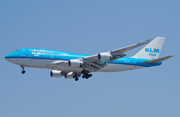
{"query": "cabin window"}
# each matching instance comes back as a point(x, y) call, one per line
point(18, 50)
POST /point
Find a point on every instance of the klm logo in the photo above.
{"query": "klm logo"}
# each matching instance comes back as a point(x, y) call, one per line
point(152, 50)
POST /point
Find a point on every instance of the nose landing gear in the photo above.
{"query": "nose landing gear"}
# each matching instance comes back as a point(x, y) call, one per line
point(23, 71)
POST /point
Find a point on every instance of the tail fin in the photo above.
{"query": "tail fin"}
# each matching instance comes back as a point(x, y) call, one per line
point(152, 50)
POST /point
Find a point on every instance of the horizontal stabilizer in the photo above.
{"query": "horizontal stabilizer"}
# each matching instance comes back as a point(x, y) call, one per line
point(157, 60)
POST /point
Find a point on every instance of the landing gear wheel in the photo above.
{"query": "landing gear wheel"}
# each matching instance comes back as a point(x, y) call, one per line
point(76, 79)
point(23, 72)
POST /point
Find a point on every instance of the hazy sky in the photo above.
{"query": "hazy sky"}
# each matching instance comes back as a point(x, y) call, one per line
point(89, 27)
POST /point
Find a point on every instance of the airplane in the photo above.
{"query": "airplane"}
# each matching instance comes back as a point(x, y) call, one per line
point(73, 66)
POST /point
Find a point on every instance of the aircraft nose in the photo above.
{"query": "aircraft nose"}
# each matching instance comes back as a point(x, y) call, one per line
point(12, 57)
point(7, 57)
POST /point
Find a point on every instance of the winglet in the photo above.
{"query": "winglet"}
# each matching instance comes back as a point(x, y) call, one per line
point(147, 41)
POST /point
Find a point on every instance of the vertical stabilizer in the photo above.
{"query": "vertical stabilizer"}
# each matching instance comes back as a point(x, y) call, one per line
point(152, 50)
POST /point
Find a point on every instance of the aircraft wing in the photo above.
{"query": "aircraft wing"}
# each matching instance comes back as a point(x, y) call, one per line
point(114, 54)
point(124, 49)
point(95, 62)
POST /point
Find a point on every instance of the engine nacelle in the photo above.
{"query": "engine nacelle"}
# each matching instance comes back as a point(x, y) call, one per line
point(69, 75)
point(56, 73)
point(105, 56)
point(75, 63)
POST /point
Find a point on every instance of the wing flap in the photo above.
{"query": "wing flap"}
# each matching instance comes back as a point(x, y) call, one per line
point(94, 66)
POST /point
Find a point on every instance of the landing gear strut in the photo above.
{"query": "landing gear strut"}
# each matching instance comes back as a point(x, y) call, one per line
point(23, 71)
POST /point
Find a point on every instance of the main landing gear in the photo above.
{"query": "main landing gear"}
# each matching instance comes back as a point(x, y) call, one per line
point(76, 77)
point(23, 71)
point(86, 74)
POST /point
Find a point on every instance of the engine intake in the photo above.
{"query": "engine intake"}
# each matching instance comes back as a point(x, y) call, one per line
point(56, 73)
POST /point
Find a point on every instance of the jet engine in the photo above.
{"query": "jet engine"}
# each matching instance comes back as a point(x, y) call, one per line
point(56, 73)
point(69, 75)
point(105, 56)
point(75, 63)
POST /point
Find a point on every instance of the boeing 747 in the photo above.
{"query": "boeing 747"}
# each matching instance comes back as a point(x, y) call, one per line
point(73, 66)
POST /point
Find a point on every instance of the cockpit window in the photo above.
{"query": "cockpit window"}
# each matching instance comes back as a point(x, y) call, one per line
point(18, 50)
